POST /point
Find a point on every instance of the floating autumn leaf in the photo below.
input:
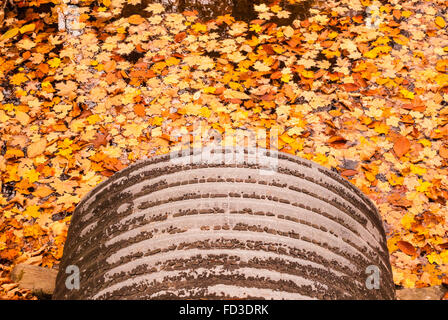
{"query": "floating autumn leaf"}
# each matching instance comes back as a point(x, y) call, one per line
point(42, 191)
point(23, 117)
point(233, 94)
point(18, 78)
point(180, 36)
point(443, 151)
point(442, 65)
point(199, 27)
point(139, 110)
point(136, 19)
point(37, 148)
point(407, 248)
point(407, 94)
point(288, 32)
point(110, 65)
point(401, 146)
point(261, 8)
point(440, 22)
point(349, 172)
point(260, 66)
point(100, 140)
point(9, 34)
point(337, 142)
point(27, 28)
point(54, 63)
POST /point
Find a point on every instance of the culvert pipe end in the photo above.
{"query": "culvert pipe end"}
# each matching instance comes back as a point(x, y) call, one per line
point(225, 223)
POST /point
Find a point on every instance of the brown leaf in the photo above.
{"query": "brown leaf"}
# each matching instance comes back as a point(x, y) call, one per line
point(100, 140)
point(406, 247)
point(180, 36)
point(444, 246)
point(337, 142)
point(350, 87)
point(349, 173)
point(401, 146)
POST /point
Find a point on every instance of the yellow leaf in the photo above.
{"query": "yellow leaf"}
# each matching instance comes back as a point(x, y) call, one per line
point(255, 27)
point(209, 90)
point(444, 256)
point(434, 258)
point(10, 33)
point(198, 27)
point(13, 153)
point(440, 22)
point(407, 94)
point(406, 13)
point(382, 128)
point(417, 170)
point(32, 211)
point(425, 142)
point(424, 186)
point(54, 63)
point(370, 176)
point(32, 175)
point(395, 180)
point(205, 112)
point(286, 138)
point(18, 79)
point(94, 118)
point(286, 77)
point(157, 121)
point(171, 61)
point(407, 220)
point(307, 74)
point(32, 231)
point(27, 28)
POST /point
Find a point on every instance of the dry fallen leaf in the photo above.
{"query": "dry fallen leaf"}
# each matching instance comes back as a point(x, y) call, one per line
point(36, 148)
point(406, 247)
point(401, 146)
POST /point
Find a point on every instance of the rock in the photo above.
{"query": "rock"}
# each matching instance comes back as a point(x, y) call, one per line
point(35, 278)
point(428, 293)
